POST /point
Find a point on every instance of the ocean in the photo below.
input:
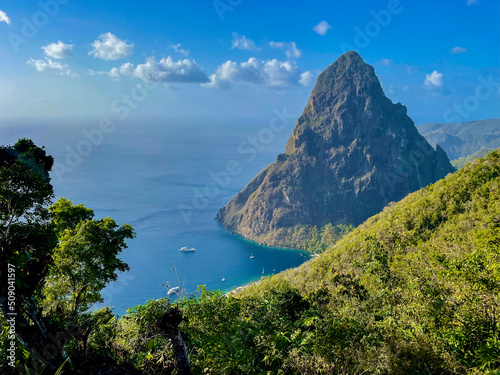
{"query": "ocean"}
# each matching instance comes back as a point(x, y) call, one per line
point(167, 179)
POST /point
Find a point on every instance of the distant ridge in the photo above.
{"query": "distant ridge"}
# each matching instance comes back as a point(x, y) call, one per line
point(462, 139)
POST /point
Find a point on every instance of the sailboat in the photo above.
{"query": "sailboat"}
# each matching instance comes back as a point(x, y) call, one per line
point(251, 256)
point(263, 272)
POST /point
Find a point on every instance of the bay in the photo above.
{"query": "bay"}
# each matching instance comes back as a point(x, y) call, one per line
point(167, 179)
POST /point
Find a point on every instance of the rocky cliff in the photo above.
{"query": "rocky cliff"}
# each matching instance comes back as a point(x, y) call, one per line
point(351, 153)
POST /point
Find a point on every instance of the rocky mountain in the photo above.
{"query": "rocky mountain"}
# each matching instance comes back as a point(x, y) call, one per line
point(462, 139)
point(351, 153)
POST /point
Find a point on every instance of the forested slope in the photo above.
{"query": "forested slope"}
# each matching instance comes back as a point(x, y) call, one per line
point(415, 289)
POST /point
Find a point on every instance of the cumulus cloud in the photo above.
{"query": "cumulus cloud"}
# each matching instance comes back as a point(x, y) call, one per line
point(271, 74)
point(243, 43)
point(4, 17)
point(165, 70)
point(58, 50)
point(178, 48)
point(48, 65)
point(322, 28)
point(110, 47)
point(290, 49)
point(456, 50)
point(306, 79)
point(434, 80)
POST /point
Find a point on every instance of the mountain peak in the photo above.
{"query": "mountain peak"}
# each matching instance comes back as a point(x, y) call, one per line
point(348, 59)
point(351, 82)
point(352, 151)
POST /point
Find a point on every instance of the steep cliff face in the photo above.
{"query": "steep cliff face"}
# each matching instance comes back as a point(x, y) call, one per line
point(351, 153)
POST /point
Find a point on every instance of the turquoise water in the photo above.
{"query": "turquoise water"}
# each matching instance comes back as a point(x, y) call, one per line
point(144, 175)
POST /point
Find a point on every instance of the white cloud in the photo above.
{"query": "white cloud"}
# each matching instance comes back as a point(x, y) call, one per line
point(177, 48)
point(306, 79)
point(47, 65)
point(271, 74)
point(322, 28)
point(411, 70)
point(109, 47)
point(290, 49)
point(58, 50)
point(242, 42)
point(472, 2)
point(456, 50)
point(385, 62)
point(165, 70)
point(434, 80)
point(114, 73)
point(4, 17)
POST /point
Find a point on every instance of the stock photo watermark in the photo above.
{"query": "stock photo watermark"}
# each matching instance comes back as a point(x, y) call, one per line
point(380, 20)
point(11, 315)
point(223, 6)
point(484, 90)
point(123, 107)
point(221, 179)
point(58, 341)
point(32, 25)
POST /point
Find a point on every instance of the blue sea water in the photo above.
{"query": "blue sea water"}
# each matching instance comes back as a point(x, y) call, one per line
point(154, 174)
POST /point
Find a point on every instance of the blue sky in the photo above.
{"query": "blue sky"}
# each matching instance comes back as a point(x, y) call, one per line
point(228, 60)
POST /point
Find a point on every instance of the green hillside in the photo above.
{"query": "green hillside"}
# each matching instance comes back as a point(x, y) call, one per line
point(460, 163)
point(414, 289)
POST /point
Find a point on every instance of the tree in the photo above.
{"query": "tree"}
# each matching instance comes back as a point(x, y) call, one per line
point(26, 241)
point(85, 260)
point(60, 255)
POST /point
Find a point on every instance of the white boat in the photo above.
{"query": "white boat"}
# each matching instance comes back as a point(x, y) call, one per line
point(173, 290)
point(263, 272)
point(251, 256)
point(187, 249)
point(223, 279)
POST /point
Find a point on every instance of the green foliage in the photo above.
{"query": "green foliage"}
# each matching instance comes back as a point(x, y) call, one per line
point(460, 163)
point(306, 237)
point(139, 335)
point(67, 216)
point(101, 331)
point(244, 336)
point(86, 258)
point(62, 259)
point(415, 289)
point(24, 181)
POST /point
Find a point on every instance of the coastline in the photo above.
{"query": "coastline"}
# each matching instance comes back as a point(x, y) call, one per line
point(237, 289)
point(241, 237)
point(244, 286)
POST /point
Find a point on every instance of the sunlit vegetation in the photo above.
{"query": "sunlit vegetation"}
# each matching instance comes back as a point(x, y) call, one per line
point(413, 290)
point(307, 237)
